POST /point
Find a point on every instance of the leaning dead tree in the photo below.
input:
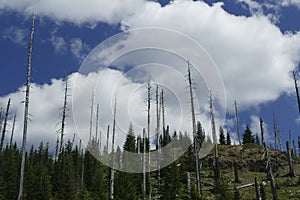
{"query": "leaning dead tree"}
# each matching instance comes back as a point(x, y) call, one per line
point(275, 132)
point(13, 130)
point(256, 189)
point(237, 122)
point(26, 111)
point(63, 120)
point(297, 90)
point(194, 129)
point(112, 170)
point(268, 163)
point(5, 124)
point(217, 170)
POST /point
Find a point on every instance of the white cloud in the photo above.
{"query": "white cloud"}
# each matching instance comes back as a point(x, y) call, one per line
point(76, 11)
point(15, 34)
point(78, 48)
point(254, 57)
point(59, 44)
point(291, 3)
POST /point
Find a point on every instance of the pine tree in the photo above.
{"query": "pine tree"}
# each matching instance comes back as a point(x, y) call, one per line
point(221, 136)
point(228, 139)
point(257, 139)
point(248, 136)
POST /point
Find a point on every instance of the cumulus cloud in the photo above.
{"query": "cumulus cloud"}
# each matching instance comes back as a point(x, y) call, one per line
point(78, 48)
point(291, 3)
point(15, 34)
point(76, 11)
point(254, 57)
point(59, 44)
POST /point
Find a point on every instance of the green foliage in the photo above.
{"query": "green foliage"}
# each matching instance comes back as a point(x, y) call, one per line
point(221, 136)
point(248, 136)
point(236, 194)
point(228, 139)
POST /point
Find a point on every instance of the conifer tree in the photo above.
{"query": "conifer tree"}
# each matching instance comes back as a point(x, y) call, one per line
point(221, 136)
point(228, 139)
point(248, 136)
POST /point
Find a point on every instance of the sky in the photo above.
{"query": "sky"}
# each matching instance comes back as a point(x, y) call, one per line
point(254, 46)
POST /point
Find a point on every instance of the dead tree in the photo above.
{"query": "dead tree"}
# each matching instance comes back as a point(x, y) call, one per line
point(63, 120)
point(279, 140)
point(97, 123)
point(12, 131)
point(275, 132)
point(236, 173)
point(91, 117)
point(26, 111)
point(112, 170)
point(4, 125)
point(268, 163)
point(294, 148)
point(188, 177)
point(216, 170)
point(144, 164)
point(237, 122)
point(256, 188)
point(194, 130)
point(299, 145)
point(56, 148)
point(297, 90)
point(158, 136)
point(163, 110)
point(148, 131)
point(289, 157)
point(105, 150)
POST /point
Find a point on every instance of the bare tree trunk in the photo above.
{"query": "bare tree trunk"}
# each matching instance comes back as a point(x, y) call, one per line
point(4, 125)
point(194, 129)
point(158, 137)
point(107, 139)
point(268, 163)
point(256, 189)
point(148, 132)
point(13, 130)
point(288, 152)
point(275, 132)
point(144, 164)
point(163, 110)
point(63, 121)
point(299, 145)
point(217, 170)
point(188, 177)
point(91, 117)
point(279, 140)
point(57, 148)
point(26, 111)
point(112, 170)
point(237, 122)
point(236, 173)
point(97, 120)
point(297, 90)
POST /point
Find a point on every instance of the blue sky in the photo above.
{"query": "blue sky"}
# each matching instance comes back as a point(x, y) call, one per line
point(258, 35)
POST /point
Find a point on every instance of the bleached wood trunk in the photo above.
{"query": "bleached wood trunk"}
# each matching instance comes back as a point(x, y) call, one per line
point(112, 171)
point(144, 164)
point(163, 110)
point(237, 122)
point(158, 137)
point(256, 188)
point(194, 129)
point(268, 163)
point(13, 130)
point(91, 117)
point(63, 121)
point(107, 139)
point(275, 132)
point(97, 121)
point(188, 177)
point(297, 90)
point(26, 111)
point(217, 170)
point(4, 125)
point(148, 133)
point(289, 157)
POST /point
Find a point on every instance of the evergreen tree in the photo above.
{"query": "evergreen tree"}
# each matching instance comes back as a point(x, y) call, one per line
point(221, 136)
point(228, 139)
point(257, 139)
point(236, 194)
point(248, 136)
